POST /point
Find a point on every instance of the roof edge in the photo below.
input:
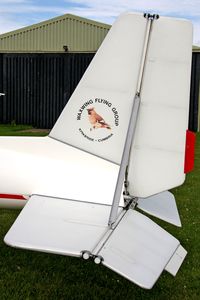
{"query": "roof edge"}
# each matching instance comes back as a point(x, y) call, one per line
point(195, 48)
point(53, 20)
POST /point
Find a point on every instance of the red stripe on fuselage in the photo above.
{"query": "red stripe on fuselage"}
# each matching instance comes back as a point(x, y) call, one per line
point(12, 197)
point(189, 151)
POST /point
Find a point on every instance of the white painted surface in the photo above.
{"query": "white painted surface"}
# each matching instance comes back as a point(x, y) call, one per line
point(47, 167)
point(44, 166)
point(176, 261)
point(162, 205)
point(157, 159)
point(58, 226)
point(139, 249)
point(112, 76)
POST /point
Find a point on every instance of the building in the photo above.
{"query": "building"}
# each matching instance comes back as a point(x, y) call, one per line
point(67, 33)
point(194, 120)
point(40, 66)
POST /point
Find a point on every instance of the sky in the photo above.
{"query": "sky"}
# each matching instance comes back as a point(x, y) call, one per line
point(15, 14)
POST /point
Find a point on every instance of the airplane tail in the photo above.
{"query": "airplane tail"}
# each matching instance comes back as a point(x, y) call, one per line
point(137, 84)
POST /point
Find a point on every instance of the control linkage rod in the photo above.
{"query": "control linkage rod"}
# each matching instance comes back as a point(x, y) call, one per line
point(132, 125)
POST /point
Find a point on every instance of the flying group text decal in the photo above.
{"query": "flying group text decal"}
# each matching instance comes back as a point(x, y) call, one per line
point(97, 117)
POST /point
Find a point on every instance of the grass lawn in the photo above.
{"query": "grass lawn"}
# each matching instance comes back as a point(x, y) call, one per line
point(32, 275)
point(21, 130)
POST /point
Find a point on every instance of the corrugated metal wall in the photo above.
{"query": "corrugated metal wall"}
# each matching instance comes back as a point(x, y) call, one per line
point(78, 34)
point(1, 88)
point(194, 92)
point(37, 86)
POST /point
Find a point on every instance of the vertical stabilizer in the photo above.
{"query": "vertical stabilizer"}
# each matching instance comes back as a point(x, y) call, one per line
point(97, 115)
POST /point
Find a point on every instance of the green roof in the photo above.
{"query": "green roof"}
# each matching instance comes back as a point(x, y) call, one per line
point(77, 33)
point(195, 48)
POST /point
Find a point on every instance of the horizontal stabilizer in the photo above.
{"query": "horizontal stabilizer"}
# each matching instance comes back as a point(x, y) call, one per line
point(176, 261)
point(58, 226)
point(138, 249)
point(162, 206)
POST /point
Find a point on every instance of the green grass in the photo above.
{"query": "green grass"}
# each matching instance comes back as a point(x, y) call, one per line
point(32, 275)
point(20, 130)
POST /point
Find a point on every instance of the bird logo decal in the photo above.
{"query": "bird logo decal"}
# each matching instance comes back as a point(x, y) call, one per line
point(96, 120)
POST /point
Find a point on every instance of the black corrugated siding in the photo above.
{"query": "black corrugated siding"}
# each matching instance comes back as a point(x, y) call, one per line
point(194, 92)
point(37, 86)
point(1, 88)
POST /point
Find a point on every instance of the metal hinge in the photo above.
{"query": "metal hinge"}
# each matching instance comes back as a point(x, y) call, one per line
point(129, 201)
point(151, 17)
